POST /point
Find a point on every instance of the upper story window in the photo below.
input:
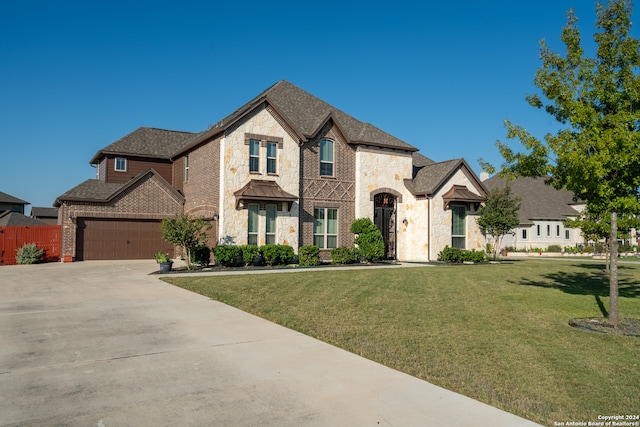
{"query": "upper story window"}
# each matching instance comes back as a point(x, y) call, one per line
point(272, 157)
point(121, 164)
point(326, 157)
point(254, 156)
point(186, 168)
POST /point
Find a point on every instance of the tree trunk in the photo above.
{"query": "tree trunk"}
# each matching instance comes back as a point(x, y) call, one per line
point(613, 271)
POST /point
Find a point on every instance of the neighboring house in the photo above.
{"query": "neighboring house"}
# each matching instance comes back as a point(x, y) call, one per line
point(10, 203)
point(284, 168)
point(9, 218)
point(543, 210)
point(45, 215)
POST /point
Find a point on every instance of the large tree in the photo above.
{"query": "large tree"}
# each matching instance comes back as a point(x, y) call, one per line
point(499, 216)
point(596, 152)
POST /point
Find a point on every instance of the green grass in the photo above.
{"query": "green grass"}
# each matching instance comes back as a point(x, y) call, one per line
point(496, 333)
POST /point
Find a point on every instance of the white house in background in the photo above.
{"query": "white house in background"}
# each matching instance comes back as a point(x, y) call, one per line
point(543, 210)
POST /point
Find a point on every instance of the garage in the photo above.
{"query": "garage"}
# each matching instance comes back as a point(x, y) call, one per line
point(104, 239)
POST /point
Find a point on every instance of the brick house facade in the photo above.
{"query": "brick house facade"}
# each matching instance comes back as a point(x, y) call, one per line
point(286, 168)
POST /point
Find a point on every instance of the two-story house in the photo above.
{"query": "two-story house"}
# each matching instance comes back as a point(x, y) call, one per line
point(287, 168)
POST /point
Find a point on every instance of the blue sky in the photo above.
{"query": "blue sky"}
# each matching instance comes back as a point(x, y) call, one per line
point(76, 76)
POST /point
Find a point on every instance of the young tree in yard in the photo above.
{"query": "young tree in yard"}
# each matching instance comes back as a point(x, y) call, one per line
point(188, 233)
point(499, 216)
point(596, 153)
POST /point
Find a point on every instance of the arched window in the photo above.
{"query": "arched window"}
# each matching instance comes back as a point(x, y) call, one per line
point(326, 157)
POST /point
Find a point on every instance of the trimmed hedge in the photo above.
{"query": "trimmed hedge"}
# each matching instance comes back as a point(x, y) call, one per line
point(308, 255)
point(458, 256)
point(344, 255)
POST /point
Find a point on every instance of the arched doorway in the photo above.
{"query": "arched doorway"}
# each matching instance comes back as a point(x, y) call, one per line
point(384, 217)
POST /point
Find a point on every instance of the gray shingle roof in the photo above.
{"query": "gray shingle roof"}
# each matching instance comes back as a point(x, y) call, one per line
point(8, 198)
point(8, 218)
point(40, 212)
point(306, 115)
point(428, 179)
point(94, 190)
point(538, 200)
point(91, 190)
point(147, 142)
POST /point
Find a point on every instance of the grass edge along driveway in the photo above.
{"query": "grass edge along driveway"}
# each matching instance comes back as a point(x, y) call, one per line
point(496, 333)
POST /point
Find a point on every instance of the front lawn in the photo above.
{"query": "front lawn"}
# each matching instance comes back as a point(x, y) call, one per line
point(496, 333)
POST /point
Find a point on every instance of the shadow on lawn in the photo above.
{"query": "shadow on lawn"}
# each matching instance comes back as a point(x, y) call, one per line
point(591, 281)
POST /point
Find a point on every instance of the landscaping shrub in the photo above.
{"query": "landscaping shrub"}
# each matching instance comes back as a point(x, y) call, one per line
point(554, 248)
point(588, 249)
point(600, 248)
point(249, 254)
point(474, 256)
point(308, 255)
point(228, 255)
point(368, 241)
point(451, 255)
point(344, 255)
point(456, 256)
point(277, 254)
point(29, 254)
point(201, 255)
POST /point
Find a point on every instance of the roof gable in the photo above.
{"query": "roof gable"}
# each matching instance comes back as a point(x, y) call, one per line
point(306, 115)
point(430, 177)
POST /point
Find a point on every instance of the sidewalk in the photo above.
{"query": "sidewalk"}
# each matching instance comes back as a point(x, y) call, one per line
point(104, 343)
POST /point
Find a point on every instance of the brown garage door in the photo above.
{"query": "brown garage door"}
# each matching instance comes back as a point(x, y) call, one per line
point(119, 239)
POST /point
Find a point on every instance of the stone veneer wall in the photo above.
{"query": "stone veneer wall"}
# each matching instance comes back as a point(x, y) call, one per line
point(328, 192)
point(149, 199)
point(441, 219)
point(234, 167)
point(379, 169)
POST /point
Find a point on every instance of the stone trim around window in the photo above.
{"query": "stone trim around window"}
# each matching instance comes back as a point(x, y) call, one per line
point(263, 139)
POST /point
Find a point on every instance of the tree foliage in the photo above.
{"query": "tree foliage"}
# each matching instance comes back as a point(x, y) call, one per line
point(596, 101)
point(186, 232)
point(499, 216)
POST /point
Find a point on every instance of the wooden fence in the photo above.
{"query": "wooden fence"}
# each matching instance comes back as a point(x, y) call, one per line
point(47, 237)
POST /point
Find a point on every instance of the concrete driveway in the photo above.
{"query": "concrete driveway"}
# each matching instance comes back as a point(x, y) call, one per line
point(104, 344)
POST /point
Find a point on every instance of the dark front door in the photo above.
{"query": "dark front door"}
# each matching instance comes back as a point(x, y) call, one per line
point(384, 216)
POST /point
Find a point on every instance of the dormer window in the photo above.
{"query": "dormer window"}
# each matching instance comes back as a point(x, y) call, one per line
point(121, 164)
point(326, 157)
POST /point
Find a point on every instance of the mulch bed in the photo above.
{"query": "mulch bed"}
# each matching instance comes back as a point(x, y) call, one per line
point(628, 327)
point(248, 268)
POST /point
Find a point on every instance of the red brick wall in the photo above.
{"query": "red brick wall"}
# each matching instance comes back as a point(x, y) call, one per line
point(202, 189)
point(149, 199)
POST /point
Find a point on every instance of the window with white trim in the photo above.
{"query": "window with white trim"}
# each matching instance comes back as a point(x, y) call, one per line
point(538, 232)
point(186, 168)
point(252, 225)
point(121, 164)
point(557, 231)
point(254, 156)
point(325, 228)
point(458, 229)
point(272, 157)
point(548, 230)
point(567, 234)
point(524, 234)
point(270, 227)
point(327, 147)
